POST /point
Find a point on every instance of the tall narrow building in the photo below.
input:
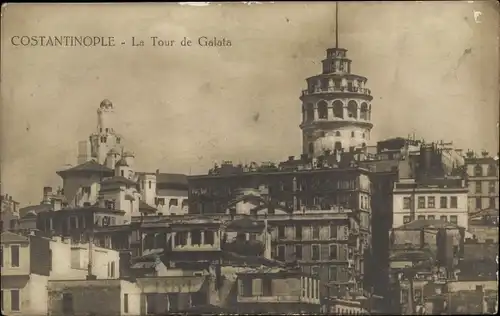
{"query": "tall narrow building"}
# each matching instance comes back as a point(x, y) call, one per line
point(336, 107)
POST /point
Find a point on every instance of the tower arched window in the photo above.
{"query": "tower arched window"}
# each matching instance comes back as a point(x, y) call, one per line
point(309, 112)
point(338, 109)
point(337, 133)
point(478, 171)
point(311, 148)
point(364, 111)
point(322, 109)
point(353, 134)
point(492, 171)
point(352, 109)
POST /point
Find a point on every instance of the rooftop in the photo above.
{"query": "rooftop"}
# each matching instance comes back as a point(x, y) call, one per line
point(87, 167)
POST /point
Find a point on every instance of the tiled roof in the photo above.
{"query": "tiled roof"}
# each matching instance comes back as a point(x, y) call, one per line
point(143, 206)
point(34, 208)
point(8, 237)
point(246, 224)
point(89, 166)
point(428, 224)
point(118, 179)
point(171, 178)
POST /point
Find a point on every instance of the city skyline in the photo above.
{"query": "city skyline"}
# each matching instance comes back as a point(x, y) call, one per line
point(246, 106)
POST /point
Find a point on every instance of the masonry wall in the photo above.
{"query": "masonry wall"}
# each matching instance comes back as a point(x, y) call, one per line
point(97, 297)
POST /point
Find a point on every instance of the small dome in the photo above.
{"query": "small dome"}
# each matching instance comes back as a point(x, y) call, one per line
point(113, 151)
point(128, 153)
point(106, 104)
point(122, 163)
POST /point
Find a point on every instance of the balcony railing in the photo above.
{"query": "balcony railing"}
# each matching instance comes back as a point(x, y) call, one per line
point(338, 89)
point(278, 299)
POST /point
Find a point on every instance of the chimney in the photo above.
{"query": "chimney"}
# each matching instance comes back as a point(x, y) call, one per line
point(47, 192)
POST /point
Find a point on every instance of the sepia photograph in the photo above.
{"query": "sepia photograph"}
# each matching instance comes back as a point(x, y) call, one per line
point(335, 158)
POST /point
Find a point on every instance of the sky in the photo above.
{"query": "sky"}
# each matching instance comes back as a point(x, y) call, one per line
point(432, 68)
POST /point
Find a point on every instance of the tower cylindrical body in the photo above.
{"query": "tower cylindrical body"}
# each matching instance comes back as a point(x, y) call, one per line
point(336, 108)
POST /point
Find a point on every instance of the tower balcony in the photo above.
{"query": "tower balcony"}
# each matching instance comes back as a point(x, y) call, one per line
point(348, 90)
point(335, 122)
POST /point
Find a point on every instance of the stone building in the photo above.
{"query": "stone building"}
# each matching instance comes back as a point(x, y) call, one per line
point(443, 199)
point(482, 181)
point(336, 107)
point(9, 213)
point(30, 263)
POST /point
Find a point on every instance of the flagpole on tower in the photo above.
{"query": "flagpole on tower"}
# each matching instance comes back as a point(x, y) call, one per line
point(336, 24)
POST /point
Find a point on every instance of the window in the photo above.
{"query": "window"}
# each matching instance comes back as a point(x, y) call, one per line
point(352, 109)
point(492, 171)
point(322, 110)
point(1, 301)
point(311, 148)
point(125, 303)
point(14, 254)
point(453, 202)
point(421, 217)
point(150, 304)
point(406, 203)
point(315, 252)
point(478, 187)
point(267, 287)
point(281, 232)
point(333, 232)
point(73, 224)
point(431, 202)
point(1, 256)
point(337, 133)
point(454, 219)
point(443, 218)
point(338, 109)
point(281, 252)
point(122, 173)
point(443, 202)
point(209, 237)
point(195, 237)
point(492, 202)
point(315, 270)
point(332, 273)
point(333, 252)
point(406, 219)
point(478, 171)
point(315, 232)
point(421, 202)
point(1, 226)
point(492, 187)
point(112, 270)
point(352, 134)
point(298, 252)
point(479, 205)
point(431, 217)
point(14, 300)
point(298, 232)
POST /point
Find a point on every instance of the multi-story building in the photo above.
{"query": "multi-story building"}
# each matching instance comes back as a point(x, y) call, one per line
point(482, 181)
point(277, 290)
point(442, 199)
point(9, 219)
point(30, 262)
point(319, 218)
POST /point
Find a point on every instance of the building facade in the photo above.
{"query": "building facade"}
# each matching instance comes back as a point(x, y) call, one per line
point(482, 181)
point(30, 262)
point(444, 199)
